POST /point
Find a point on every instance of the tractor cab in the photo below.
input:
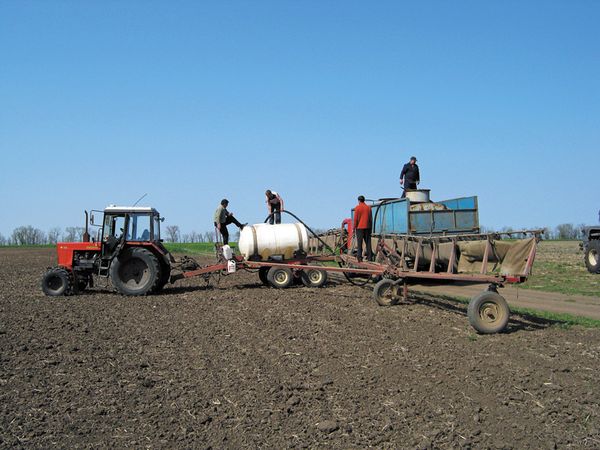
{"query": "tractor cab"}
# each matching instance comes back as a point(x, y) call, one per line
point(135, 225)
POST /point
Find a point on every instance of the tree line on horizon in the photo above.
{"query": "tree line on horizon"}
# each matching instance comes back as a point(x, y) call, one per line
point(29, 235)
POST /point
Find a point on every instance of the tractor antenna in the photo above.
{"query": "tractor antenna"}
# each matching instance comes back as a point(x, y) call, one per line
point(139, 199)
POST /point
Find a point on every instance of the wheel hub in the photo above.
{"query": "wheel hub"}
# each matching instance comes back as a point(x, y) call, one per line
point(489, 312)
point(314, 276)
point(135, 273)
point(55, 283)
point(281, 277)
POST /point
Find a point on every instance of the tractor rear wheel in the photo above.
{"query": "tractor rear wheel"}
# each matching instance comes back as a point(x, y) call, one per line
point(385, 292)
point(136, 271)
point(592, 256)
point(280, 277)
point(163, 279)
point(57, 281)
point(488, 312)
point(313, 278)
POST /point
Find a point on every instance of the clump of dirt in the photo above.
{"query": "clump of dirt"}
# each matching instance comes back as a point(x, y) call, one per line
point(243, 365)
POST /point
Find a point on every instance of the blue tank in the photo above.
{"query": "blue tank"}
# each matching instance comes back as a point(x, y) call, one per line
point(401, 216)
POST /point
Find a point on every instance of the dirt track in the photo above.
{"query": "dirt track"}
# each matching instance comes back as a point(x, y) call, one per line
point(577, 305)
point(241, 365)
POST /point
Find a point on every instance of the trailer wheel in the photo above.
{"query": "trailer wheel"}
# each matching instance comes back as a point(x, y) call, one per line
point(385, 292)
point(592, 256)
point(313, 278)
point(280, 277)
point(135, 272)
point(57, 281)
point(262, 275)
point(488, 312)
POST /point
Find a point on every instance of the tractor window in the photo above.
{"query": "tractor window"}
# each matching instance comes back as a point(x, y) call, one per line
point(113, 226)
point(139, 227)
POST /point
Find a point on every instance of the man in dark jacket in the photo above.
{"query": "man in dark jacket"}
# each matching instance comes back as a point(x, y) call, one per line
point(223, 218)
point(409, 177)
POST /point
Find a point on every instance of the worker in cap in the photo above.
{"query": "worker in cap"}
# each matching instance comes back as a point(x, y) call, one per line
point(363, 224)
point(274, 205)
point(409, 177)
point(224, 218)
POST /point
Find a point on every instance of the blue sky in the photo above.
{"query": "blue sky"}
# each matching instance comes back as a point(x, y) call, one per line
point(190, 102)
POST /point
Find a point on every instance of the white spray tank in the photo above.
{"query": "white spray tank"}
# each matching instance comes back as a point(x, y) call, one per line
point(263, 241)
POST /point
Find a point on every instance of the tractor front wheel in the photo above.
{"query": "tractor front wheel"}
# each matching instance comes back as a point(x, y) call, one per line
point(136, 271)
point(57, 281)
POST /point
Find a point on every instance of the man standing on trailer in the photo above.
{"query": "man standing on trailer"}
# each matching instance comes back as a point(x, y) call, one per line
point(363, 224)
point(409, 177)
point(224, 218)
point(274, 205)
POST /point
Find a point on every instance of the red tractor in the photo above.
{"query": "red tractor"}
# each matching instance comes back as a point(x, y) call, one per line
point(127, 249)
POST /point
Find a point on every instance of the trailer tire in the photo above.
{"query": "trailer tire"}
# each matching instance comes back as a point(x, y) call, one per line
point(280, 277)
point(313, 278)
point(592, 256)
point(262, 275)
point(385, 292)
point(136, 271)
point(488, 312)
point(57, 281)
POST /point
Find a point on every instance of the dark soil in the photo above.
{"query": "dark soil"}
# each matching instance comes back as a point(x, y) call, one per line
point(242, 365)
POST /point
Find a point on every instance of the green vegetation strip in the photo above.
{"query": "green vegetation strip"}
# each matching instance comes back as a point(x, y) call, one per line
point(196, 248)
point(561, 319)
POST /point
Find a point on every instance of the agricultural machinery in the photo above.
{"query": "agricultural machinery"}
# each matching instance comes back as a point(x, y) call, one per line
point(415, 239)
point(591, 248)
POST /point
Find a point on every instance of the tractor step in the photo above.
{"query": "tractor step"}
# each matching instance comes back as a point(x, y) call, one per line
point(103, 270)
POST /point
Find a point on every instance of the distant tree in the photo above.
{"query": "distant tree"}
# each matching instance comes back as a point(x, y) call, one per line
point(173, 233)
point(3, 240)
point(209, 236)
point(28, 235)
point(579, 230)
point(547, 234)
point(54, 235)
point(70, 234)
point(566, 231)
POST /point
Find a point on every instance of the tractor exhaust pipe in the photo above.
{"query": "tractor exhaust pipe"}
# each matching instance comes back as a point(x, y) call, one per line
point(86, 234)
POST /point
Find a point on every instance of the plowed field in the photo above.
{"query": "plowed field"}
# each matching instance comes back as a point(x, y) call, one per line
point(243, 365)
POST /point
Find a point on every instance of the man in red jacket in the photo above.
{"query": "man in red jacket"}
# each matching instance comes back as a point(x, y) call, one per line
point(362, 227)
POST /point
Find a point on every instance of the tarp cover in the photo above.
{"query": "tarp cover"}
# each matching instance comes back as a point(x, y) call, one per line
point(507, 257)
